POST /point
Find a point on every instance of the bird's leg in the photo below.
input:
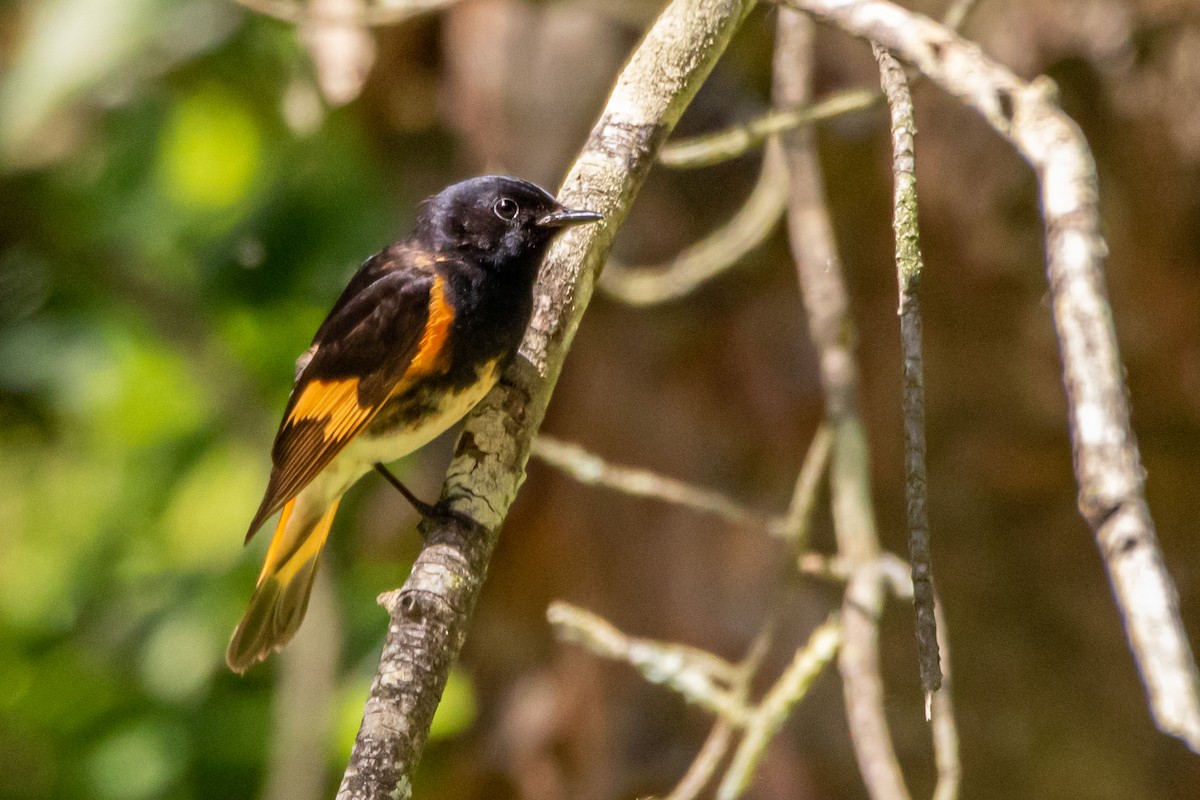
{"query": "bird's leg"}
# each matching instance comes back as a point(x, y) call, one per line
point(423, 508)
point(426, 510)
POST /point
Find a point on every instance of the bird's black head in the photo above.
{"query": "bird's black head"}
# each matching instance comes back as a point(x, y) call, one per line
point(497, 222)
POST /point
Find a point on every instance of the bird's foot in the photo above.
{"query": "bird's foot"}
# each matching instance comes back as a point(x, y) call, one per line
point(430, 511)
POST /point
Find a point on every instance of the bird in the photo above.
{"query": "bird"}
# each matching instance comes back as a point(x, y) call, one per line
point(420, 334)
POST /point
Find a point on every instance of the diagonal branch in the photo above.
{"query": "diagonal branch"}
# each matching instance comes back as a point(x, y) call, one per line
point(431, 612)
point(1107, 462)
point(590, 469)
point(773, 710)
point(711, 255)
point(713, 148)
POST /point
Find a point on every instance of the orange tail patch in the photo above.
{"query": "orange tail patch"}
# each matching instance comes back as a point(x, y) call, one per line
point(281, 597)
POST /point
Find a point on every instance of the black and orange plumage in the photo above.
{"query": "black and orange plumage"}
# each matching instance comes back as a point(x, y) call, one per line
point(417, 338)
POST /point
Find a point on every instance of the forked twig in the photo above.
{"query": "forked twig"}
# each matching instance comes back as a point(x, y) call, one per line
point(771, 712)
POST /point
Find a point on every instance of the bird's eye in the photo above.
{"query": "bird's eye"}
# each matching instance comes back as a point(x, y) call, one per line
point(506, 208)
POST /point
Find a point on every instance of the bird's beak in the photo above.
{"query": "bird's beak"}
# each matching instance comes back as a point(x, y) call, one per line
point(566, 217)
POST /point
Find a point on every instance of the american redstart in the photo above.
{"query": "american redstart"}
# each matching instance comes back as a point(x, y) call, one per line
point(418, 337)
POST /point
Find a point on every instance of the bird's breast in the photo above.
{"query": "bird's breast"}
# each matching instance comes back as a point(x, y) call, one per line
point(418, 414)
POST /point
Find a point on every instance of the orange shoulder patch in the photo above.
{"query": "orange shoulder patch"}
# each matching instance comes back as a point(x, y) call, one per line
point(431, 350)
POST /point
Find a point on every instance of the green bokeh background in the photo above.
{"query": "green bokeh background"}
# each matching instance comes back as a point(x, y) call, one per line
point(167, 246)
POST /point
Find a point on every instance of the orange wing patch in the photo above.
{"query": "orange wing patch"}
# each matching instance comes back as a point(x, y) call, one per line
point(431, 350)
point(335, 402)
point(325, 414)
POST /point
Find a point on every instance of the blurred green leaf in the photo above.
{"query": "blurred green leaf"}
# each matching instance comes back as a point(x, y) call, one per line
point(177, 660)
point(16, 679)
point(457, 710)
point(204, 523)
point(211, 150)
point(268, 340)
point(136, 763)
point(71, 692)
point(148, 394)
point(51, 516)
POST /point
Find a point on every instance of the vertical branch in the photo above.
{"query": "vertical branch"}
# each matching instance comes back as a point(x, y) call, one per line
point(908, 275)
point(429, 615)
point(1107, 462)
point(811, 235)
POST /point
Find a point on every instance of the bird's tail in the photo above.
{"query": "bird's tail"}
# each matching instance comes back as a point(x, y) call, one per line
point(281, 597)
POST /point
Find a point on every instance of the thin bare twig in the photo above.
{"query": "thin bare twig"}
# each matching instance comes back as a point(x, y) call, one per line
point(908, 278)
point(944, 724)
point(771, 712)
point(710, 683)
point(1106, 457)
point(795, 525)
point(701, 677)
point(704, 766)
point(716, 252)
point(590, 469)
point(728, 143)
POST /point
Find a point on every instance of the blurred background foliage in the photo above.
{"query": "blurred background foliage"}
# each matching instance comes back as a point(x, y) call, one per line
point(182, 197)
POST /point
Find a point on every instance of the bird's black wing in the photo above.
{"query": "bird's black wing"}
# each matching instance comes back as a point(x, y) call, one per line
point(390, 333)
